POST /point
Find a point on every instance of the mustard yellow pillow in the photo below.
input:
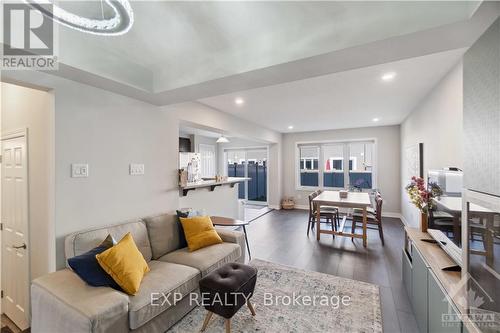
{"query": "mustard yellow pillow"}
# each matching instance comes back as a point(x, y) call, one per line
point(199, 232)
point(125, 263)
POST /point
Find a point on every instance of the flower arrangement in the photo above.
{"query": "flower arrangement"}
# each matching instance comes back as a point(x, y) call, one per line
point(420, 196)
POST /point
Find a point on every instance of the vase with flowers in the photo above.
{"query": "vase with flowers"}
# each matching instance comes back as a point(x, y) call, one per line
point(422, 197)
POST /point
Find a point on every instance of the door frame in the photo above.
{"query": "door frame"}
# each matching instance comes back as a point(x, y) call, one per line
point(246, 149)
point(8, 135)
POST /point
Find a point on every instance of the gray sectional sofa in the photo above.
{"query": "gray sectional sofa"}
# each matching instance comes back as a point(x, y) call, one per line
point(62, 302)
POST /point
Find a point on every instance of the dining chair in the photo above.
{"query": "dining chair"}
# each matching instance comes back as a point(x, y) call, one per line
point(441, 220)
point(330, 208)
point(329, 213)
point(374, 217)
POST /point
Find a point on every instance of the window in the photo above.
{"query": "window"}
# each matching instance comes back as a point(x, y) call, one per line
point(308, 165)
point(333, 172)
point(343, 165)
point(207, 157)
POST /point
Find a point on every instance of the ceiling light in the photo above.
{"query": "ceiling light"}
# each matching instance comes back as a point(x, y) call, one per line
point(239, 101)
point(290, 127)
point(375, 120)
point(119, 24)
point(388, 76)
point(222, 139)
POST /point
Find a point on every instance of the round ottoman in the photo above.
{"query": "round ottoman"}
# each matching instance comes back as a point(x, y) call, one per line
point(225, 290)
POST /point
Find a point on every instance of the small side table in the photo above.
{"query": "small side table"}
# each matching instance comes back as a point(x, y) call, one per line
point(228, 222)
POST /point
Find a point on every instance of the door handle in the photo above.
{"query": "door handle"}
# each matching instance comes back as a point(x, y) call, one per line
point(20, 246)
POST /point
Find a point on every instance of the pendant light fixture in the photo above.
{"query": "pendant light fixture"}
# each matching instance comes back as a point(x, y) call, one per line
point(119, 24)
point(222, 139)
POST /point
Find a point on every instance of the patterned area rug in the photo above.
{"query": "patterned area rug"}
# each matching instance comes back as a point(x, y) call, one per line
point(278, 312)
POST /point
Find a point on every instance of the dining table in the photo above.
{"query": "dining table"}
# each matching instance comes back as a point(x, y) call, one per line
point(360, 200)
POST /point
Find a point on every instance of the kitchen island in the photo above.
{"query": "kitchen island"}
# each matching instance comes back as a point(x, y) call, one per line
point(214, 198)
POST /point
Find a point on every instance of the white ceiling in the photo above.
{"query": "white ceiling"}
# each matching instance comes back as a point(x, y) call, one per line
point(311, 64)
point(348, 99)
point(178, 44)
point(187, 130)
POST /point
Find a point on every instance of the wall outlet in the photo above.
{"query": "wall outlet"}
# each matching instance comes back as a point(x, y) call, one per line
point(79, 170)
point(136, 169)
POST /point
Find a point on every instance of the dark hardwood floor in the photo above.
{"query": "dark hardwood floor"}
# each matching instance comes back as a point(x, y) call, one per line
point(280, 236)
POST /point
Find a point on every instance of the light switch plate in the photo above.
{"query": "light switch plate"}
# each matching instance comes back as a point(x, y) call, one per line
point(79, 170)
point(136, 169)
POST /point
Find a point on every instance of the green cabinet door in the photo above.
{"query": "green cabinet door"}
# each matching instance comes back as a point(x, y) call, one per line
point(442, 314)
point(419, 299)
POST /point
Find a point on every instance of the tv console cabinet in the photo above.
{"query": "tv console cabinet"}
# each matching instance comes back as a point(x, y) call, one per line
point(432, 281)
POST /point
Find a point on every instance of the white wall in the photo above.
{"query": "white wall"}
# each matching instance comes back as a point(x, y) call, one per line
point(437, 122)
point(109, 131)
point(223, 201)
point(388, 160)
point(25, 108)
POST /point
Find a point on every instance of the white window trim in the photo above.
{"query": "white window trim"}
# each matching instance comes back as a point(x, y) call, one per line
point(322, 143)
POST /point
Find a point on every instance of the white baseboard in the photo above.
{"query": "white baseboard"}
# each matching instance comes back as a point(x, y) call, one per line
point(274, 207)
point(405, 222)
point(384, 214)
point(391, 214)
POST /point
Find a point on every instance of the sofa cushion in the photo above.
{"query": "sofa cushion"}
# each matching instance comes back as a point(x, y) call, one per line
point(163, 280)
point(206, 259)
point(98, 308)
point(83, 241)
point(163, 233)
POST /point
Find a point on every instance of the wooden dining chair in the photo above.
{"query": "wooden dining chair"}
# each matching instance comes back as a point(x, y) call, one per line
point(330, 214)
point(330, 208)
point(374, 217)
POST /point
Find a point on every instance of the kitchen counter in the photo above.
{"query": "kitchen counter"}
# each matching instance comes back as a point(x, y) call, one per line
point(212, 184)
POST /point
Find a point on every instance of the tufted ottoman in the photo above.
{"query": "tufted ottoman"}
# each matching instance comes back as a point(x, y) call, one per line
point(225, 290)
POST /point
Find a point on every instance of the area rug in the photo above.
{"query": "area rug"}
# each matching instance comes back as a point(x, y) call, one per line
point(292, 300)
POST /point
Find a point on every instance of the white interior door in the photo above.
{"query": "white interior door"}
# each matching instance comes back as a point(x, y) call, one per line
point(207, 157)
point(15, 261)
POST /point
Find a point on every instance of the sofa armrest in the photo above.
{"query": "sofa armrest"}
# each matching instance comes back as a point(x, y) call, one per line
point(232, 236)
point(62, 302)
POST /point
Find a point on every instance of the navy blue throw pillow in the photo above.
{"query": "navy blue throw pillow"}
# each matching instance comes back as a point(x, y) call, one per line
point(89, 270)
point(182, 237)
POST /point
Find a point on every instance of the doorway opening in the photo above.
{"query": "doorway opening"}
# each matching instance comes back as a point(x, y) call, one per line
point(250, 163)
point(27, 178)
point(15, 261)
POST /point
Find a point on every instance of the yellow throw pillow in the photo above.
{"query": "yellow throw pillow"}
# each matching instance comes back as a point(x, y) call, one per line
point(125, 263)
point(199, 232)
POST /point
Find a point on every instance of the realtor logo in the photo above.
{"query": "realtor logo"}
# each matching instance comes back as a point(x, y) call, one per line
point(28, 37)
point(468, 294)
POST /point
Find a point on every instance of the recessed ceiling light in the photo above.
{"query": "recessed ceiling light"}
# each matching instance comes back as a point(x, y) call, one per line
point(239, 101)
point(290, 127)
point(388, 76)
point(375, 120)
